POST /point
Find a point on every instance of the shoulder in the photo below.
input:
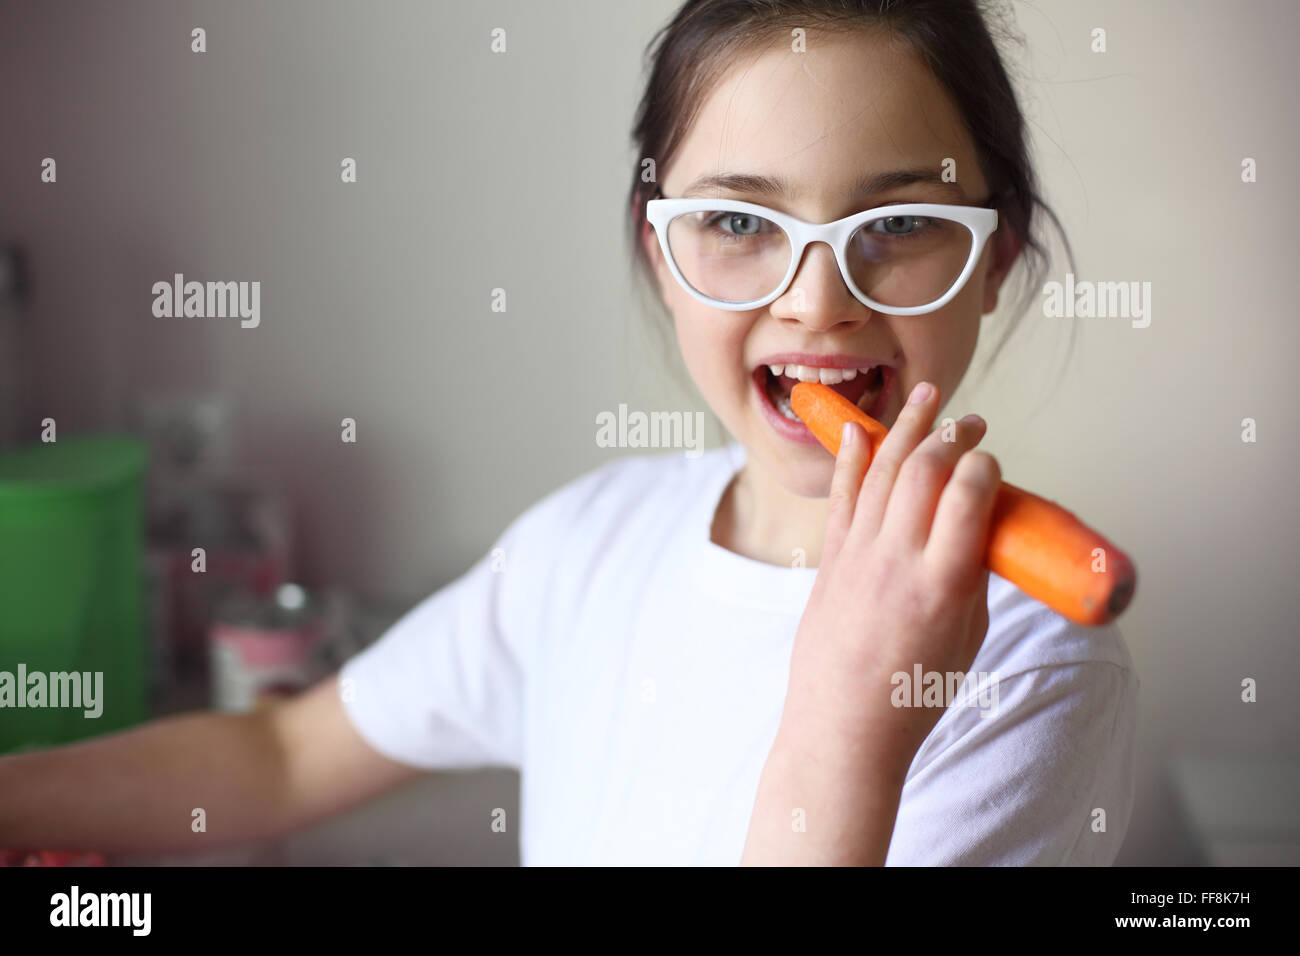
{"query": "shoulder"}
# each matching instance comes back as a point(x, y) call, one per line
point(1046, 686)
point(1024, 633)
point(1043, 737)
point(1040, 661)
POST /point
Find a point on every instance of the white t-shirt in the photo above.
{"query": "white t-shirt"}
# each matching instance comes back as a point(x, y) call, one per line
point(634, 672)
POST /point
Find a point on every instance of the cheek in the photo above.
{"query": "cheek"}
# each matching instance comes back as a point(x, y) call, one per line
point(712, 348)
point(711, 343)
point(706, 345)
point(939, 347)
point(964, 330)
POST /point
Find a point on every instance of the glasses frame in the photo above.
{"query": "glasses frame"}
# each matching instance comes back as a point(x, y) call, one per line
point(980, 220)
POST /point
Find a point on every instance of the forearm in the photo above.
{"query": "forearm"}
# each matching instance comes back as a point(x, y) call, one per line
point(822, 803)
point(137, 790)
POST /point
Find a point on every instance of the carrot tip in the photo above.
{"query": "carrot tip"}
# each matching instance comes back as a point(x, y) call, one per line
point(1120, 597)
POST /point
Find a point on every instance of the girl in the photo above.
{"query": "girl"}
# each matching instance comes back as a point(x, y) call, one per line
point(638, 643)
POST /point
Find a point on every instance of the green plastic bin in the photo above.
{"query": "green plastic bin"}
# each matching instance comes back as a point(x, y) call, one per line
point(72, 588)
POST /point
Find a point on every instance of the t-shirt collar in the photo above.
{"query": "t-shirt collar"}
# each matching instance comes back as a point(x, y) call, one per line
point(732, 576)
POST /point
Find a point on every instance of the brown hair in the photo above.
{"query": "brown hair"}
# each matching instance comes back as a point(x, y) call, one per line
point(686, 58)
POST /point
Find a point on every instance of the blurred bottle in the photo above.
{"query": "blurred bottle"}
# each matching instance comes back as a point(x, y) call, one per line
point(268, 647)
point(265, 647)
point(213, 531)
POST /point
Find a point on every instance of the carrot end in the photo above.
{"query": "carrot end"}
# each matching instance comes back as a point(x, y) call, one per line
point(1120, 596)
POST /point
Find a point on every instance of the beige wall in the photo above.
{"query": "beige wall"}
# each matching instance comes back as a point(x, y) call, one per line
point(480, 171)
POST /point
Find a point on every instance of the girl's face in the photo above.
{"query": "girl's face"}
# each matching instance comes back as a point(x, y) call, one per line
point(850, 107)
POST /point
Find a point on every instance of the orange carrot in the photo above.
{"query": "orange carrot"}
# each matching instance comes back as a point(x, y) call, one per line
point(1034, 543)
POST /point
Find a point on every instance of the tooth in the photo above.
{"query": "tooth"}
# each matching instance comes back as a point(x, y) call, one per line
point(777, 370)
point(808, 373)
point(831, 376)
point(850, 374)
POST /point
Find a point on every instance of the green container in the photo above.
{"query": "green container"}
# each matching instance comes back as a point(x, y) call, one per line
point(71, 588)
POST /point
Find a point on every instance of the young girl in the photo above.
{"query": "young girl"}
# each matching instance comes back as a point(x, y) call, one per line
point(720, 659)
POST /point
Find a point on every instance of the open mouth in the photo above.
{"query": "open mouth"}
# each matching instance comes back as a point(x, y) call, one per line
point(861, 386)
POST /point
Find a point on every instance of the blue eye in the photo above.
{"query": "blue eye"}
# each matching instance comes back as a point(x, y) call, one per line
point(739, 223)
point(904, 226)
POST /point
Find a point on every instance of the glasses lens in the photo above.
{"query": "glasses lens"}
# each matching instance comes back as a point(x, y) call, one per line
point(727, 255)
point(908, 261)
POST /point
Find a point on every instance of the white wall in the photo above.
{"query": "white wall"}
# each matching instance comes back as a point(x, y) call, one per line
point(478, 171)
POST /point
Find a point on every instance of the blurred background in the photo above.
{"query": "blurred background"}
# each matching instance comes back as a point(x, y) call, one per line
point(479, 171)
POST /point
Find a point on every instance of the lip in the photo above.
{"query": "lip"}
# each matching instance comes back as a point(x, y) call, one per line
point(797, 432)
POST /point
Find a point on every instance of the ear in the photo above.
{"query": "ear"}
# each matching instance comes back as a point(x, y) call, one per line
point(654, 255)
point(1005, 248)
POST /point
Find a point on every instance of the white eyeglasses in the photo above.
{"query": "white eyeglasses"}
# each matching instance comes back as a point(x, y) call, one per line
point(905, 259)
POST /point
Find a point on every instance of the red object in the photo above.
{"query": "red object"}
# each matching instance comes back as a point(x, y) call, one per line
point(50, 858)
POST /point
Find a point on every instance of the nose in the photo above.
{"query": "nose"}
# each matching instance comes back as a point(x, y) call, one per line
point(818, 296)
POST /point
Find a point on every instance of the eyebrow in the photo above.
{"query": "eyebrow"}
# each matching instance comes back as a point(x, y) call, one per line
point(871, 184)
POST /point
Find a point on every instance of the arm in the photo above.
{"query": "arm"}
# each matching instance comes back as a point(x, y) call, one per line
point(821, 806)
point(255, 775)
point(900, 585)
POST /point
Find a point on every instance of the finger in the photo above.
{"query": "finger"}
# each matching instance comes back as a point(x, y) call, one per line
point(915, 498)
point(958, 545)
point(850, 466)
point(909, 430)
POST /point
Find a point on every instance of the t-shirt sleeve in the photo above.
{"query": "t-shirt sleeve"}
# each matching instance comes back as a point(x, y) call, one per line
point(1024, 785)
point(443, 688)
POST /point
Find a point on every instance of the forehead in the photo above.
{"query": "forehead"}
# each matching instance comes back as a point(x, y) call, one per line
point(851, 104)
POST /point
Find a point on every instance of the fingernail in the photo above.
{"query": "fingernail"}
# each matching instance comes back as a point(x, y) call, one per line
point(847, 435)
point(920, 393)
point(972, 419)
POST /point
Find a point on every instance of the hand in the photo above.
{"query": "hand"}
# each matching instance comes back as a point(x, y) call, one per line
point(901, 582)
